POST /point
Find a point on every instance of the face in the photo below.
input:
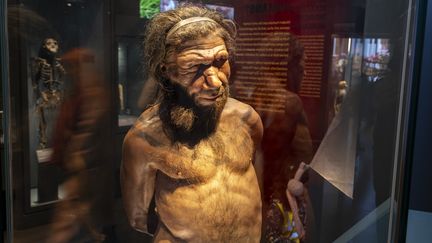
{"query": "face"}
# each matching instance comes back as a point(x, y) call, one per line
point(51, 45)
point(202, 68)
point(296, 73)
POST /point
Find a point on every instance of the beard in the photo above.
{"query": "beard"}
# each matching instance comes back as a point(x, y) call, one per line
point(186, 121)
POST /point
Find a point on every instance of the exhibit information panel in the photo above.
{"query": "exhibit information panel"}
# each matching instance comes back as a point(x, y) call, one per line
point(217, 121)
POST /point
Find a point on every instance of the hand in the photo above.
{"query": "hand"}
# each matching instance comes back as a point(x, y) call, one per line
point(301, 169)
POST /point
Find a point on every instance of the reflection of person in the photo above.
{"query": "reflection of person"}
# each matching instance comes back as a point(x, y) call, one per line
point(195, 148)
point(79, 148)
point(48, 75)
point(385, 105)
point(286, 143)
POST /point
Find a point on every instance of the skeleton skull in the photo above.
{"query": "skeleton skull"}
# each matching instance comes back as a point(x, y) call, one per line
point(51, 45)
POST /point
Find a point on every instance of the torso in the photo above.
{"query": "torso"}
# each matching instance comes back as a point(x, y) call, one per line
point(209, 192)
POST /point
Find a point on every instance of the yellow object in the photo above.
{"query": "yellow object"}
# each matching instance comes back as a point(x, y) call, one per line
point(289, 229)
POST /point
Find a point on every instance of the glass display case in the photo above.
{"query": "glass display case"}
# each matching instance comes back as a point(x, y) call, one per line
point(47, 41)
point(330, 82)
point(130, 80)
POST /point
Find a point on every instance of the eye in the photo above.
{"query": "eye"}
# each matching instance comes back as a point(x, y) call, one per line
point(194, 65)
point(220, 58)
point(220, 62)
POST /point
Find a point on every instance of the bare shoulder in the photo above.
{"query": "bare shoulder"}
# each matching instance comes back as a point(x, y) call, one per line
point(294, 105)
point(241, 110)
point(145, 134)
point(247, 114)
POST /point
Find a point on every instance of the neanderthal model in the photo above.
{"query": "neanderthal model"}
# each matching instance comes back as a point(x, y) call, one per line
point(48, 75)
point(193, 150)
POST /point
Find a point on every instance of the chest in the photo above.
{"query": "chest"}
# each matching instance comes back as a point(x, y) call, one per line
point(229, 149)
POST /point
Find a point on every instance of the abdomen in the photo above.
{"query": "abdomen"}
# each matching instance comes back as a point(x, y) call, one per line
point(226, 208)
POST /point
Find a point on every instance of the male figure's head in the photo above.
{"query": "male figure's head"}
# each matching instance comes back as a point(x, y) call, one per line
point(296, 64)
point(187, 51)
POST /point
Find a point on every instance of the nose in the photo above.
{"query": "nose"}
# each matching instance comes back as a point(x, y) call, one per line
point(211, 77)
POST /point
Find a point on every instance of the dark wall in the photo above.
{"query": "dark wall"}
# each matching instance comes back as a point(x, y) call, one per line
point(421, 180)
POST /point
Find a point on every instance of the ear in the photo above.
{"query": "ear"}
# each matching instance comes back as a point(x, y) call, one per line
point(163, 70)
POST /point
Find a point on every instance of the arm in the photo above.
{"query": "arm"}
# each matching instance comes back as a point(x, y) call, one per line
point(137, 180)
point(256, 127)
point(294, 208)
point(36, 70)
point(256, 130)
point(301, 145)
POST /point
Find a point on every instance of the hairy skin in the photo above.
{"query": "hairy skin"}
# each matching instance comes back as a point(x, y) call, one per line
point(202, 194)
point(200, 172)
